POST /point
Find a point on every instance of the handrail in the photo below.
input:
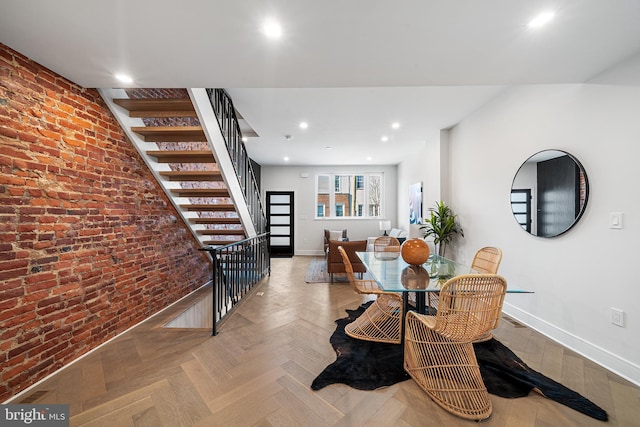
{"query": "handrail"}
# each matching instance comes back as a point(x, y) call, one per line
point(228, 122)
point(237, 268)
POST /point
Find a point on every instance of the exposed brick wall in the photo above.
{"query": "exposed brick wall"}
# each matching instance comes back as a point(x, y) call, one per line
point(89, 244)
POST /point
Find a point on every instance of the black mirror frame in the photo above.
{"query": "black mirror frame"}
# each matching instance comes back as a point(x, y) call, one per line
point(586, 192)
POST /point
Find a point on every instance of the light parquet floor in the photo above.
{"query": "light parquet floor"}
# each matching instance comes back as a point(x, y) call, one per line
point(258, 369)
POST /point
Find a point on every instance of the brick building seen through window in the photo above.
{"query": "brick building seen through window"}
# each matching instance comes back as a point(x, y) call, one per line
point(349, 195)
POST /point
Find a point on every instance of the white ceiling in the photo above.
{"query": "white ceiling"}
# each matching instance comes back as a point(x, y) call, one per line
point(347, 67)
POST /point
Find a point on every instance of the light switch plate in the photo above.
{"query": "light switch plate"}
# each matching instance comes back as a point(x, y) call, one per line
point(615, 220)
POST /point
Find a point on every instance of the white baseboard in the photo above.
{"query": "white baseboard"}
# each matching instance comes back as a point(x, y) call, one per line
point(310, 252)
point(603, 357)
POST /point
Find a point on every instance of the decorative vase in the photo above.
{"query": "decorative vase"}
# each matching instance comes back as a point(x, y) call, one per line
point(415, 251)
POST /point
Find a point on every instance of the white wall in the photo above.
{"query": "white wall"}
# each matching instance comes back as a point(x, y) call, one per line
point(577, 276)
point(308, 231)
point(428, 164)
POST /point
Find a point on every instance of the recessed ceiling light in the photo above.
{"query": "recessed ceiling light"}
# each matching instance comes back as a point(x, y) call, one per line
point(286, 159)
point(304, 125)
point(328, 148)
point(245, 139)
point(272, 29)
point(123, 78)
point(395, 125)
point(369, 158)
point(541, 20)
point(384, 139)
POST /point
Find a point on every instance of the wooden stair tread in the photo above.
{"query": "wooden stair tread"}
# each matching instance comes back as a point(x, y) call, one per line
point(239, 232)
point(159, 104)
point(218, 207)
point(200, 192)
point(214, 220)
point(157, 107)
point(182, 156)
point(171, 133)
point(219, 242)
point(192, 175)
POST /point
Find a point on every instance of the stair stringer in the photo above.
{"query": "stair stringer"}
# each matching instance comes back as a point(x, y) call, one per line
point(216, 141)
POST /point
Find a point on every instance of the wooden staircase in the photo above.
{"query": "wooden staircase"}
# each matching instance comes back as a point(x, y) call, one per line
point(169, 136)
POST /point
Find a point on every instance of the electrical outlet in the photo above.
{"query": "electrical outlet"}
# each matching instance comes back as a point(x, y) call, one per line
point(617, 317)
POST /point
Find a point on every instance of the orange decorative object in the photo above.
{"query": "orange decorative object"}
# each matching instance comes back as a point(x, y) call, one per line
point(414, 277)
point(415, 251)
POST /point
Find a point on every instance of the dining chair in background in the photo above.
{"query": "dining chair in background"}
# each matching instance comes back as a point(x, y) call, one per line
point(487, 260)
point(386, 244)
point(438, 352)
point(382, 320)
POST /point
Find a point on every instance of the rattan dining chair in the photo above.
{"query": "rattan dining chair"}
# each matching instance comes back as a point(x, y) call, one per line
point(360, 286)
point(386, 244)
point(486, 260)
point(382, 320)
point(439, 353)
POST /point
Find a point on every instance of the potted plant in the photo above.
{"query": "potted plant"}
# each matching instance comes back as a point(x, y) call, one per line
point(442, 226)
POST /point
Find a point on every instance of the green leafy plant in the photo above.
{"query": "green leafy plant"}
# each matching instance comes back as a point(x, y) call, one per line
point(442, 225)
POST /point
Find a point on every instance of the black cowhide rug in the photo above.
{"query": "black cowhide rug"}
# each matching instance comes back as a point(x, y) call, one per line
point(369, 365)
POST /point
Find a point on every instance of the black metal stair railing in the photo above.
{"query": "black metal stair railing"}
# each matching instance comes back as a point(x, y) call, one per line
point(228, 122)
point(237, 269)
point(239, 266)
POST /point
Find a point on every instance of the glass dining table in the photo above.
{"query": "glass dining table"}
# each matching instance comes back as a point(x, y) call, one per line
point(393, 274)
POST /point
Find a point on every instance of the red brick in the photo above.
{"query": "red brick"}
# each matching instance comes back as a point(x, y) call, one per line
point(19, 314)
point(14, 264)
point(10, 333)
point(11, 293)
point(80, 228)
point(20, 371)
point(35, 296)
point(43, 245)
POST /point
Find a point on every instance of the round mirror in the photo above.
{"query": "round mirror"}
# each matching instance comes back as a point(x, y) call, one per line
point(549, 193)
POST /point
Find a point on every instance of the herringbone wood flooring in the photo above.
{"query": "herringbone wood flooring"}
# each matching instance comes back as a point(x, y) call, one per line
point(258, 370)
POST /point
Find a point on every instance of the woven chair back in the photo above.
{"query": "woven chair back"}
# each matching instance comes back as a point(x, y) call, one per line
point(386, 244)
point(470, 305)
point(348, 268)
point(487, 260)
